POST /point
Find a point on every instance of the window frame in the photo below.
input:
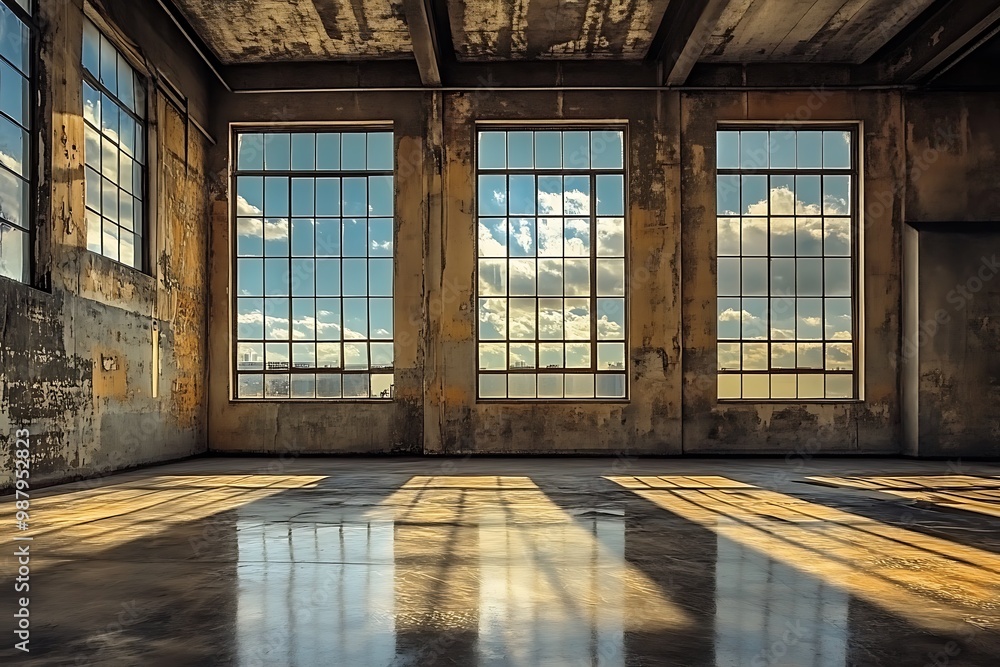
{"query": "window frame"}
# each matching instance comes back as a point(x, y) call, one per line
point(557, 126)
point(35, 116)
point(145, 252)
point(235, 130)
point(855, 171)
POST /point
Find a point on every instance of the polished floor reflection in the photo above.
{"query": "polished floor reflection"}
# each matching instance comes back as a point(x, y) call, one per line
point(394, 562)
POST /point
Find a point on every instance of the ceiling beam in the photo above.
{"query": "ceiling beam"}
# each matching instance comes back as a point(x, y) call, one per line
point(683, 35)
point(423, 36)
point(947, 34)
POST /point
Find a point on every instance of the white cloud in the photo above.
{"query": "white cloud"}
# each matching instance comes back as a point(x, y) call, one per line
point(609, 329)
point(575, 201)
point(489, 246)
point(251, 222)
point(521, 235)
point(611, 237)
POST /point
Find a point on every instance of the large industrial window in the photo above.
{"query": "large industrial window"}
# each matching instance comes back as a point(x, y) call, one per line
point(15, 139)
point(787, 220)
point(551, 251)
point(314, 264)
point(114, 111)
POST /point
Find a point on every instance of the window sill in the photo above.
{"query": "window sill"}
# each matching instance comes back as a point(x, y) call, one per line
point(312, 401)
point(552, 401)
point(789, 401)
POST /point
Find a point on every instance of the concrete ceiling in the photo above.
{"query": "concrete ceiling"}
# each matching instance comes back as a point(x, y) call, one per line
point(883, 41)
point(254, 31)
point(554, 29)
point(832, 31)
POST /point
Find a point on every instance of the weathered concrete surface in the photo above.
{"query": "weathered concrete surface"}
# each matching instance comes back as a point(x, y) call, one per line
point(650, 421)
point(952, 327)
point(344, 427)
point(494, 562)
point(673, 407)
point(551, 29)
point(77, 361)
point(807, 31)
point(870, 426)
point(243, 31)
point(953, 157)
point(954, 343)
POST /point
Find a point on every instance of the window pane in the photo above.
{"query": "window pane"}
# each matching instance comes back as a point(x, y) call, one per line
point(354, 151)
point(753, 150)
point(304, 151)
point(521, 386)
point(536, 264)
point(611, 237)
point(492, 356)
point(492, 195)
point(328, 386)
point(784, 263)
point(328, 355)
point(277, 151)
point(328, 151)
point(355, 237)
point(14, 96)
point(492, 150)
point(606, 149)
point(728, 150)
point(380, 151)
point(112, 93)
point(492, 237)
point(522, 194)
point(13, 252)
point(250, 386)
point(548, 150)
point(316, 261)
point(14, 198)
point(576, 150)
point(493, 386)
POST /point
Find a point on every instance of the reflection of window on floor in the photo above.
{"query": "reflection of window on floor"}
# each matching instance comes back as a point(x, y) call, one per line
point(552, 593)
point(551, 248)
point(787, 213)
point(314, 265)
point(316, 594)
point(767, 613)
point(15, 139)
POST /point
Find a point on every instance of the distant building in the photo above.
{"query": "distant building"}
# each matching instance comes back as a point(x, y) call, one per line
point(250, 360)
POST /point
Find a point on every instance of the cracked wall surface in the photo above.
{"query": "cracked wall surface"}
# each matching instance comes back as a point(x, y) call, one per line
point(246, 31)
point(672, 348)
point(78, 354)
point(554, 29)
point(951, 340)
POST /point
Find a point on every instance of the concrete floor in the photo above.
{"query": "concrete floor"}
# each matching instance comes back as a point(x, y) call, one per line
point(376, 562)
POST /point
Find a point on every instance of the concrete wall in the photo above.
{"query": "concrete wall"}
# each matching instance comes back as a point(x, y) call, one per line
point(867, 426)
point(344, 427)
point(951, 340)
point(955, 346)
point(672, 409)
point(78, 348)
